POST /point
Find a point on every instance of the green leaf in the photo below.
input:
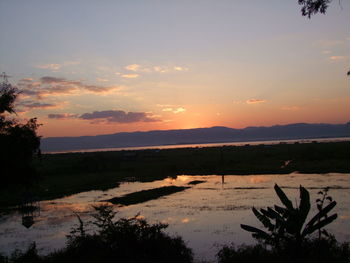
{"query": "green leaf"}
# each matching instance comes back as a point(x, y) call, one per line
point(284, 199)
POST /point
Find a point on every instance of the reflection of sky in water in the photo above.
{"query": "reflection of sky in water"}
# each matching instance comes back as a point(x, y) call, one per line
point(206, 215)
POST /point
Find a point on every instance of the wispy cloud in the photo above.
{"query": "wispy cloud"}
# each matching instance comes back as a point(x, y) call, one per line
point(174, 110)
point(133, 67)
point(152, 69)
point(177, 68)
point(29, 105)
point(48, 85)
point(56, 66)
point(255, 101)
point(53, 67)
point(130, 76)
point(38, 105)
point(62, 116)
point(118, 116)
point(291, 108)
point(164, 105)
point(337, 57)
point(102, 80)
point(329, 43)
point(160, 69)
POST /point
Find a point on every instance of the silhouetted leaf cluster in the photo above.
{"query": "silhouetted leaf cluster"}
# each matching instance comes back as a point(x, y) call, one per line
point(312, 7)
point(286, 225)
point(19, 142)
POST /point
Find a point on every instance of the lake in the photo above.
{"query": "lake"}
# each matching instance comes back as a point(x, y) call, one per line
point(207, 215)
point(203, 145)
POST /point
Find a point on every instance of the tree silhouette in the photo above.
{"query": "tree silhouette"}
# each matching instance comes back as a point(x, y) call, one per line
point(19, 142)
point(312, 7)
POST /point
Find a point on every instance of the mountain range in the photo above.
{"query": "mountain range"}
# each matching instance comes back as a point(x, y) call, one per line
point(216, 134)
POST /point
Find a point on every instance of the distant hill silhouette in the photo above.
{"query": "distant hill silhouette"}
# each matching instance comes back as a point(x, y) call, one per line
point(201, 135)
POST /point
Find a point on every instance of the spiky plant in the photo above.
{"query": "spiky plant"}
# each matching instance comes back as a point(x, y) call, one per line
point(287, 224)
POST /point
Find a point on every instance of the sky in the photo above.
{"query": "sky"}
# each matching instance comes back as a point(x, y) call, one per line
point(98, 67)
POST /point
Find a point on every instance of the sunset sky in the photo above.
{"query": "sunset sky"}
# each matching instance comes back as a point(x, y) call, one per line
point(98, 67)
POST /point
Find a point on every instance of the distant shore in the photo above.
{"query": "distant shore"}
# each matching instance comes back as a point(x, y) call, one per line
point(204, 145)
point(69, 173)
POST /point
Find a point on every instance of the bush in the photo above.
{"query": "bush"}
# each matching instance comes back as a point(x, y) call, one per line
point(324, 250)
point(127, 240)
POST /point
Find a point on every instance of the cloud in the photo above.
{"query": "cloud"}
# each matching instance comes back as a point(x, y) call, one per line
point(62, 116)
point(179, 110)
point(130, 76)
point(330, 43)
point(164, 105)
point(291, 108)
point(53, 67)
point(336, 57)
point(255, 101)
point(151, 69)
point(48, 85)
point(118, 116)
point(37, 105)
point(174, 110)
point(160, 69)
point(102, 80)
point(133, 67)
point(177, 68)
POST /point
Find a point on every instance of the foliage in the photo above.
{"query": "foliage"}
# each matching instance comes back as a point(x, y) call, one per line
point(320, 202)
point(312, 7)
point(8, 95)
point(19, 142)
point(285, 225)
point(323, 250)
point(127, 240)
point(123, 240)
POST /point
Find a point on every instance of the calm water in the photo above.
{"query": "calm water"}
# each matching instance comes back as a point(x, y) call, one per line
point(206, 215)
point(202, 145)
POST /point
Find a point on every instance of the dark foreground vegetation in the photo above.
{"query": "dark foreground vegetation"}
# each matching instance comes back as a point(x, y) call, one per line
point(127, 240)
point(146, 195)
point(325, 250)
point(69, 173)
point(288, 236)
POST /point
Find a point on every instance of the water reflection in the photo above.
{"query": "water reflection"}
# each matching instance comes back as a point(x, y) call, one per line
point(29, 209)
point(205, 215)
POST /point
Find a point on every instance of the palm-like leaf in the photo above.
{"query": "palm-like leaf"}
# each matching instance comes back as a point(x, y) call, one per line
point(310, 229)
point(263, 219)
point(304, 206)
point(322, 213)
point(284, 199)
point(286, 223)
point(258, 232)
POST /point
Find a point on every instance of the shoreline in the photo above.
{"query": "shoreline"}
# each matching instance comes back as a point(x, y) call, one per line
point(70, 173)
